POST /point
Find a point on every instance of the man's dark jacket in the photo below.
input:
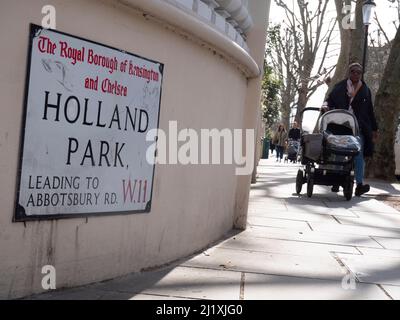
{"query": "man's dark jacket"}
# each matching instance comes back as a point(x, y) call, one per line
point(294, 134)
point(362, 107)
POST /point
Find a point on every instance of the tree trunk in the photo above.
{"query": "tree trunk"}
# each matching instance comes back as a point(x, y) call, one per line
point(301, 101)
point(352, 42)
point(287, 99)
point(285, 117)
point(387, 106)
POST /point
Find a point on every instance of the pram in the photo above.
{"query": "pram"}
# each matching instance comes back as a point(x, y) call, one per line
point(292, 150)
point(328, 155)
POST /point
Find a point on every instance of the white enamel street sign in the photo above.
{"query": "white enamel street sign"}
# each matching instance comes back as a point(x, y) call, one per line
point(88, 108)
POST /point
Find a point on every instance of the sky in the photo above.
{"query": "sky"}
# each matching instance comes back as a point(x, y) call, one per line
point(386, 14)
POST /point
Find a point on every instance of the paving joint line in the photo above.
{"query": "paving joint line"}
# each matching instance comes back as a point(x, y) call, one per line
point(170, 296)
point(105, 292)
point(336, 219)
point(358, 249)
point(282, 253)
point(343, 266)
point(279, 218)
point(261, 273)
point(384, 291)
point(242, 281)
point(316, 242)
point(377, 242)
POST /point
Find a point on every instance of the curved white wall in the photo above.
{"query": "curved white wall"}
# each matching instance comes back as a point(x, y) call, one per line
point(192, 205)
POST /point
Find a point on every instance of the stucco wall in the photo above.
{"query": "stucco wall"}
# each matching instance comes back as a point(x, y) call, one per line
point(192, 205)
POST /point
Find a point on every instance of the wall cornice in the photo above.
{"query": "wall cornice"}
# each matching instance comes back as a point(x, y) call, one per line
point(196, 20)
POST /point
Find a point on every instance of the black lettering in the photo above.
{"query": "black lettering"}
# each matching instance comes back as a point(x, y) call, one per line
point(98, 124)
point(67, 182)
point(56, 182)
point(54, 203)
point(56, 106)
point(143, 112)
point(89, 198)
point(133, 122)
point(30, 183)
point(76, 182)
point(117, 152)
point(85, 114)
point(88, 153)
point(78, 110)
point(70, 150)
point(30, 200)
point(106, 201)
point(115, 117)
point(104, 154)
point(69, 203)
point(38, 182)
point(47, 183)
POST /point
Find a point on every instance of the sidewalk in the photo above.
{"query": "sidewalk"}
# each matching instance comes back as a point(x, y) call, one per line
point(294, 248)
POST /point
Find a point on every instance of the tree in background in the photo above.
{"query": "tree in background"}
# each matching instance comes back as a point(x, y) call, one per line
point(387, 109)
point(270, 98)
point(293, 49)
point(351, 38)
point(280, 55)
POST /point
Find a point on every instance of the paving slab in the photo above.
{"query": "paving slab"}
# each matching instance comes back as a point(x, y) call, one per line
point(195, 283)
point(374, 220)
point(266, 207)
point(388, 243)
point(297, 216)
point(80, 293)
point(277, 223)
point(311, 236)
point(393, 291)
point(316, 207)
point(370, 269)
point(199, 283)
point(267, 287)
point(304, 201)
point(379, 252)
point(323, 267)
point(363, 205)
point(284, 246)
point(355, 230)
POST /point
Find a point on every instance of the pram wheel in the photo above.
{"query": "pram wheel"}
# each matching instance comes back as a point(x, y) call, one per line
point(299, 181)
point(310, 185)
point(348, 189)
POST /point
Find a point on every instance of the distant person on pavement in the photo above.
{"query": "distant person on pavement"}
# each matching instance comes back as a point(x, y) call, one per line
point(294, 132)
point(353, 94)
point(272, 147)
point(280, 142)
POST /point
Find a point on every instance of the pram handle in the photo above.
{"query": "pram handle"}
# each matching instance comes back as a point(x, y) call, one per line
point(310, 109)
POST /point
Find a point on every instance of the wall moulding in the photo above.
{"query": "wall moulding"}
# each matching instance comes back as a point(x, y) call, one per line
point(184, 20)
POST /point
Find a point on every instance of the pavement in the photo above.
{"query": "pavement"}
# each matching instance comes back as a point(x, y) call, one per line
point(294, 247)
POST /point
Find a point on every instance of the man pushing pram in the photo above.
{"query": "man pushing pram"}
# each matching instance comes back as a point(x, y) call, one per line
point(293, 143)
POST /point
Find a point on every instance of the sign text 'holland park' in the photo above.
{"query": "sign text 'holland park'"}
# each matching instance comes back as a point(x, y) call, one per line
point(88, 109)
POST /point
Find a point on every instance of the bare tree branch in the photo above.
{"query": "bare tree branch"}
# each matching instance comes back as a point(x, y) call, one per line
point(381, 28)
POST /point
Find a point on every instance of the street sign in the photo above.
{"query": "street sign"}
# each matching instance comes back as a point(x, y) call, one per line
point(88, 108)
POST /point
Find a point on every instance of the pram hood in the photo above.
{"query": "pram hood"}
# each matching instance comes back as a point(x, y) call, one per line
point(338, 117)
point(335, 134)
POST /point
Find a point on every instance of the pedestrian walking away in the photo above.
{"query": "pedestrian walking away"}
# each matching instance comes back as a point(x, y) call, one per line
point(280, 142)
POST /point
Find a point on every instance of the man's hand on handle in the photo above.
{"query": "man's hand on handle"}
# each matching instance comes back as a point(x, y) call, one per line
point(324, 109)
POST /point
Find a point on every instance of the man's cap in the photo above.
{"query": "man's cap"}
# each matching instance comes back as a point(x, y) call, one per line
point(355, 65)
